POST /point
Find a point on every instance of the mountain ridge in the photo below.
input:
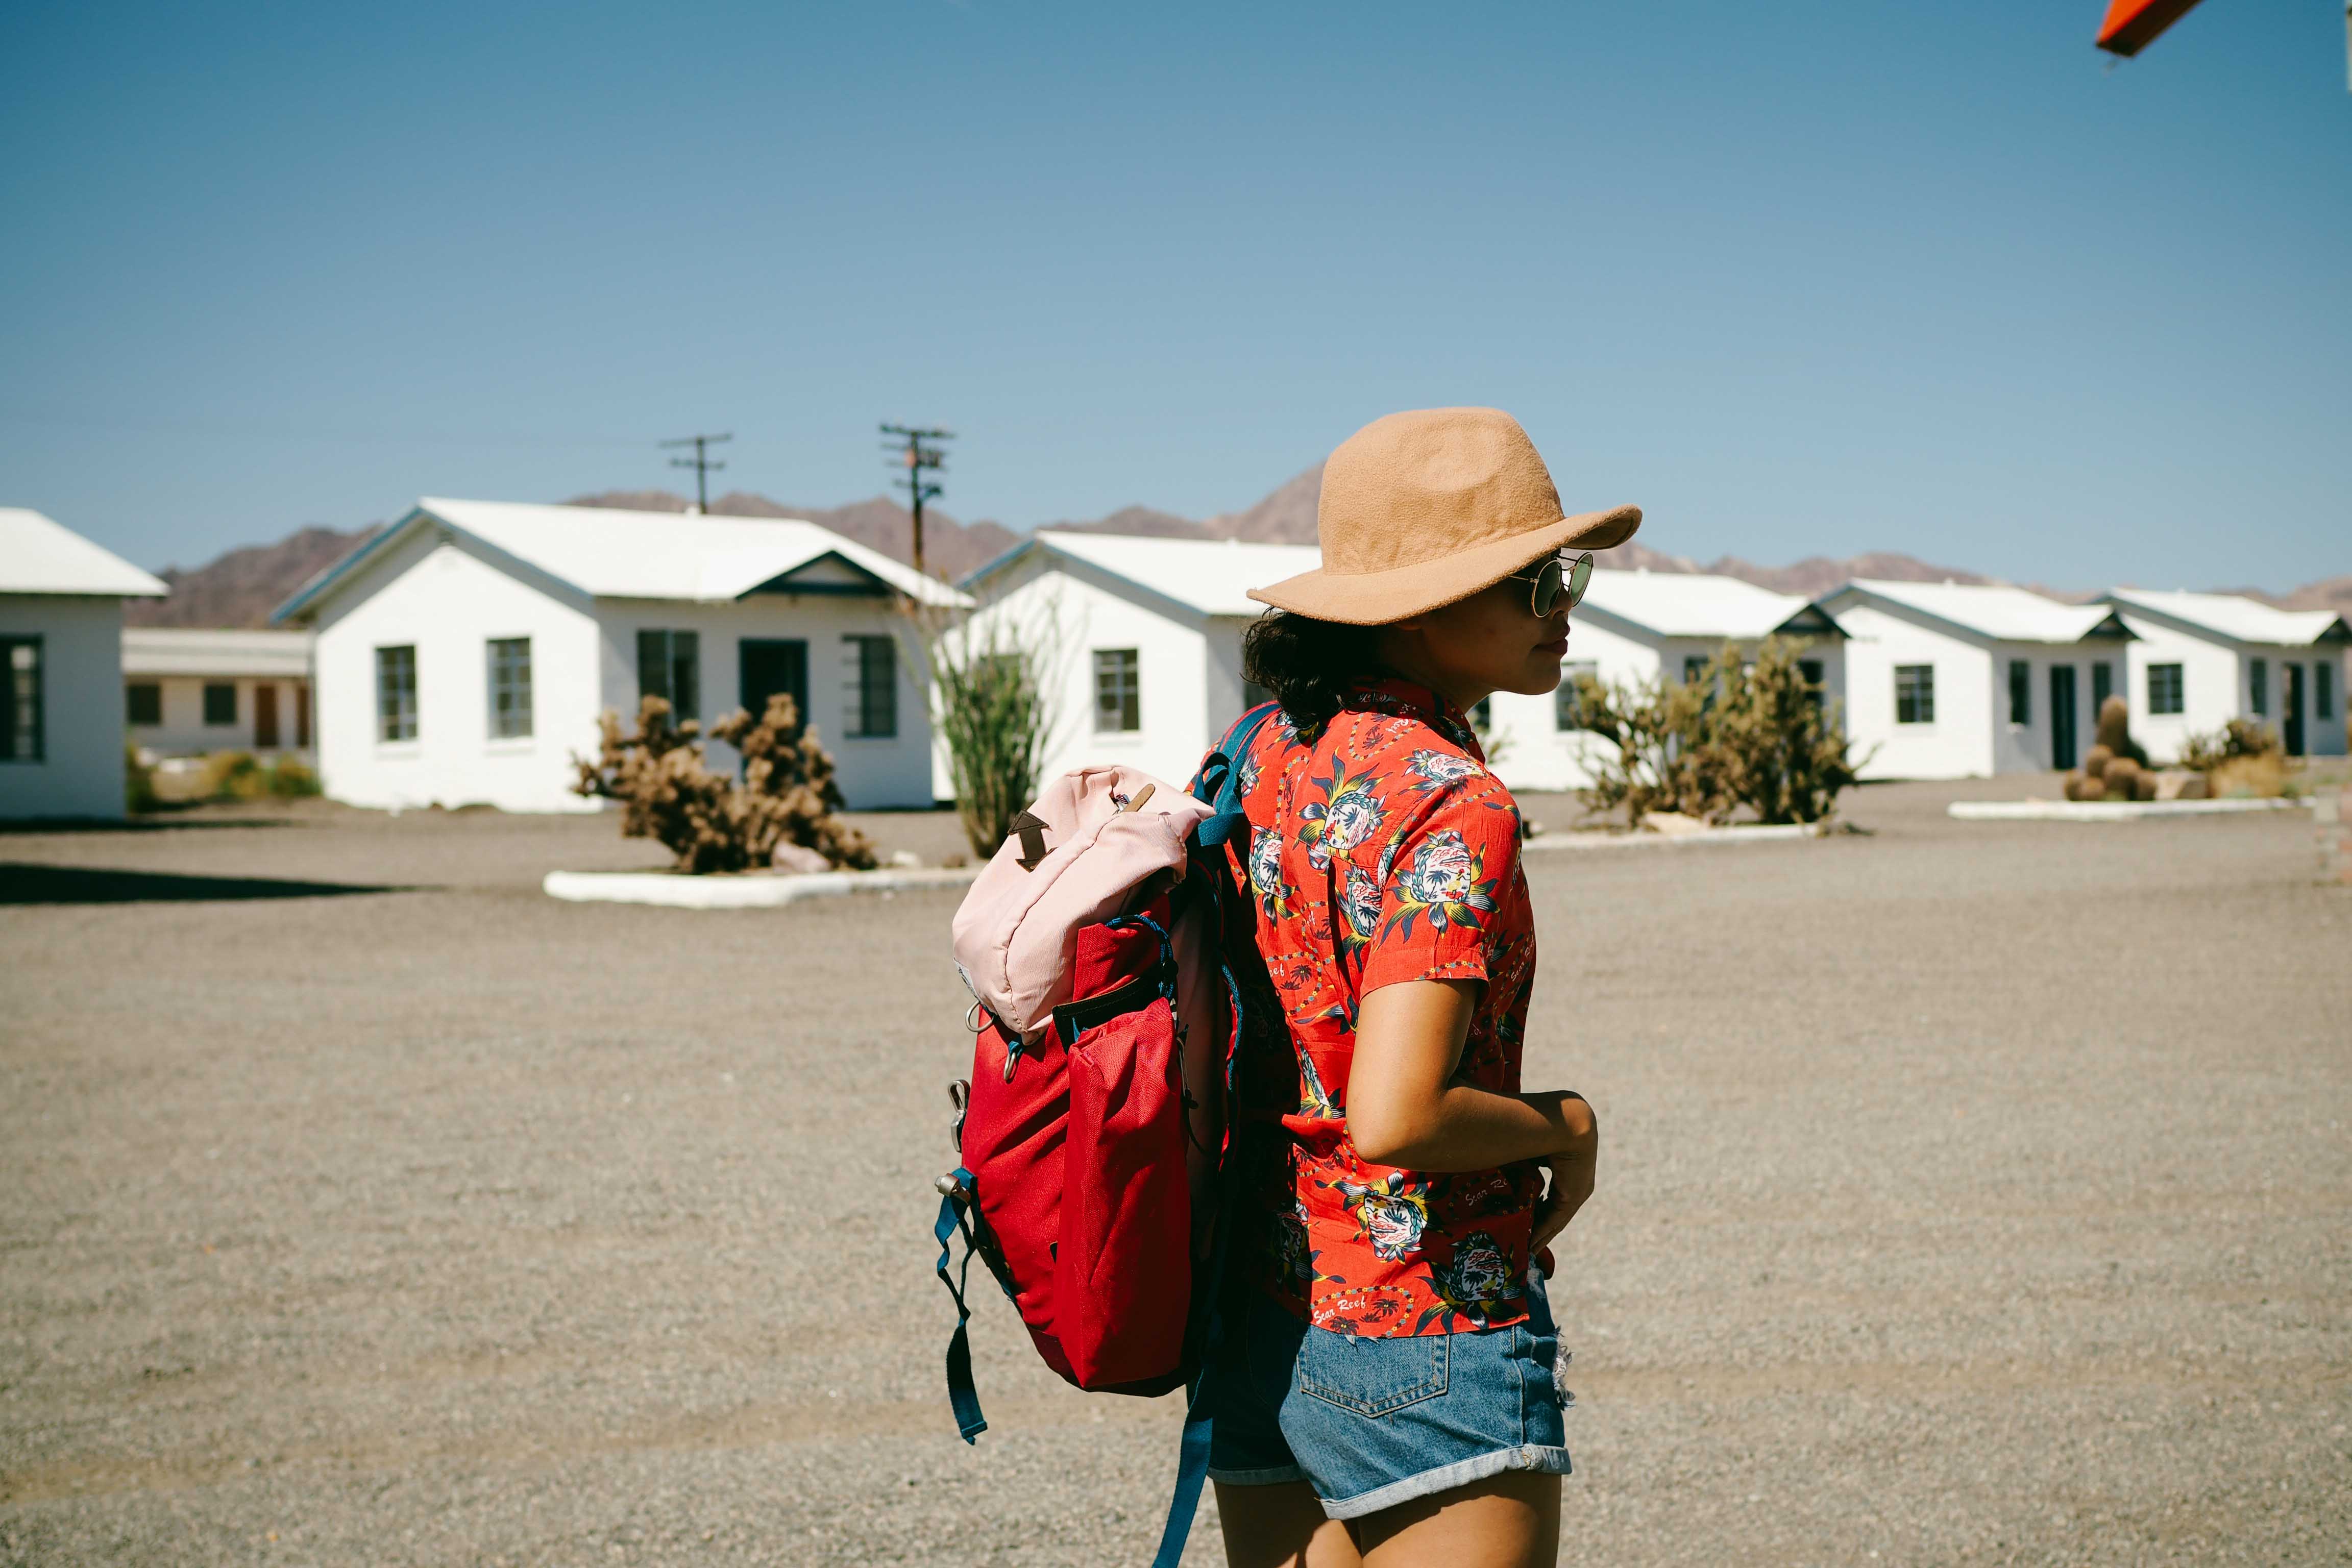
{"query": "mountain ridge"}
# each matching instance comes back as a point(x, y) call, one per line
point(241, 587)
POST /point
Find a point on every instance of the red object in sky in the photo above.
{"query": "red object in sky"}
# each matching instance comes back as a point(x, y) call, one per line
point(2132, 25)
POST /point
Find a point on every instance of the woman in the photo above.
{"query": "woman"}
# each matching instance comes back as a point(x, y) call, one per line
point(1386, 1392)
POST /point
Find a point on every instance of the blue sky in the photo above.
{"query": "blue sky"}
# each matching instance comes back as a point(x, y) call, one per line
point(1796, 278)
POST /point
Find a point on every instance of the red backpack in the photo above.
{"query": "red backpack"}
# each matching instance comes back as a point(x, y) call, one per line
point(1094, 1136)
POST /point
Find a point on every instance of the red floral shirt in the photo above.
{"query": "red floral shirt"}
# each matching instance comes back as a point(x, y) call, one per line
point(1382, 851)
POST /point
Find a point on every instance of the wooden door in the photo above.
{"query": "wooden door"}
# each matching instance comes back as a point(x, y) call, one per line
point(2061, 716)
point(265, 716)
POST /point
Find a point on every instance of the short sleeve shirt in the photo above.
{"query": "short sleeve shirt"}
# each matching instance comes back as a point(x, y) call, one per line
point(1382, 851)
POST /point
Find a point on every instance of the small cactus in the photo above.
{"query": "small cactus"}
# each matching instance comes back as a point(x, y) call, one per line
point(2091, 789)
point(2095, 760)
point(2114, 731)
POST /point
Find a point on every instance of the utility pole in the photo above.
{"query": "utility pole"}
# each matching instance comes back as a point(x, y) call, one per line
point(915, 456)
point(701, 463)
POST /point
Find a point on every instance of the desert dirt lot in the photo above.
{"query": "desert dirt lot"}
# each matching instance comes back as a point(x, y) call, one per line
point(1971, 1193)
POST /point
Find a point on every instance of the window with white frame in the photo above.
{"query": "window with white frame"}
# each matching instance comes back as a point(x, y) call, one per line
point(2322, 676)
point(22, 729)
point(1567, 702)
point(395, 693)
point(509, 660)
point(2258, 685)
point(873, 687)
point(1118, 692)
point(2164, 689)
point(1816, 678)
point(1914, 694)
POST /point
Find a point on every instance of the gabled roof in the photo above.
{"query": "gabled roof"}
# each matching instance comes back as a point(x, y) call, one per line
point(612, 555)
point(1212, 576)
point(2238, 618)
point(40, 555)
point(1701, 605)
point(186, 650)
point(1991, 610)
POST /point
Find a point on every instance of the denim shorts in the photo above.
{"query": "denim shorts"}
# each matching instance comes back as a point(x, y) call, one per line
point(1372, 1423)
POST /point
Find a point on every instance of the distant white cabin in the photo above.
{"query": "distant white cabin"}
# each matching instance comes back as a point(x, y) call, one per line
point(1965, 681)
point(464, 654)
point(2202, 659)
point(189, 690)
point(1146, 637)
point(1638, 627)
point(61, 668)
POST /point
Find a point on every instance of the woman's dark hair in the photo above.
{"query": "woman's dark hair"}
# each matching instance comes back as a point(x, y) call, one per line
point(1308, 663)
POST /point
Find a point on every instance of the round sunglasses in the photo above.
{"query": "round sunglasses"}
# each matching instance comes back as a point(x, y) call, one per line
point(1556, 577)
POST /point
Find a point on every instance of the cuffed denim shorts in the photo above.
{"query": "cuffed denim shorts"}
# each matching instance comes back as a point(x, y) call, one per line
point(1373, 1423)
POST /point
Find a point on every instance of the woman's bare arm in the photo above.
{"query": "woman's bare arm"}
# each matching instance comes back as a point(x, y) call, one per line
point(1405, 1106)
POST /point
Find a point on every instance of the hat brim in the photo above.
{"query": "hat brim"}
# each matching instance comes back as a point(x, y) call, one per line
point(1379, 598)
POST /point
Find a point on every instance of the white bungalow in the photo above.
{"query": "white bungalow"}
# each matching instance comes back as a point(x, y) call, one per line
point(464, 654)
point(61, 668)
point(1964, 680)
point(2205, 658)
point(189, 690)
point(1146, 637)
point(1638, 627)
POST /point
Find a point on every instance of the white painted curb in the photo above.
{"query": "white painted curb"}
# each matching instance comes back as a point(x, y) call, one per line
point(744, 892)
point(2106, 810)
point(1754, 834)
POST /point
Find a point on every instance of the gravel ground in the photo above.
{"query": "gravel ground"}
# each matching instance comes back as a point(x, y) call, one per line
point(1973, 1192)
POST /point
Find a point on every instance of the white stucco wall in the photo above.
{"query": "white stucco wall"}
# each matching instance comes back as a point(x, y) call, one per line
point(1959, 742)
point(81, 770)
point(183, 731)
point(875, 773)
point(445, 601)
point(1052, 600)
point(2212, 684)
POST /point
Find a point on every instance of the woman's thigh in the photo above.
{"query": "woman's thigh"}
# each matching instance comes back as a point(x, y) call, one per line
point(1281, 1527)
point(1511, 1520)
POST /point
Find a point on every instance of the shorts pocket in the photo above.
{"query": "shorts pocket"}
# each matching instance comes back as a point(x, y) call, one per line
point(1373, 1377)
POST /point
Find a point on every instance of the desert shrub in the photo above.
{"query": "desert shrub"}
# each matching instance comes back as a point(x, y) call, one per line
point(2238, 738)
point(712, 822)
point(137, 781)
point(1788, 757)
point(232, 775)
point(991, 682)
point(1753, 735)
point(2263, 774)
point(290, 778)
point(1663, 761)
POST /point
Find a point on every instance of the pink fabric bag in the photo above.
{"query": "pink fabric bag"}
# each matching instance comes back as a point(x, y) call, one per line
point(1015, 935)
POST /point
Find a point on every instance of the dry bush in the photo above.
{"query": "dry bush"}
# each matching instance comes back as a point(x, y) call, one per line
point(2238, 738)
point(1754, 735)
point(712, 822)
point(2263, 776)
point(232, 775)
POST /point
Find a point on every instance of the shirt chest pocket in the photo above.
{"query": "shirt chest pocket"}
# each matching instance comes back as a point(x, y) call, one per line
point(1372, 1377)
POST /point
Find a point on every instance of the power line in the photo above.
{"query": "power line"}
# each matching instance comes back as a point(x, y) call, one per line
point(915, 456)
point(701, 463)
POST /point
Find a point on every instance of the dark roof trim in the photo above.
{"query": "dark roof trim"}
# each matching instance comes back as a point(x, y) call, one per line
point(873, 586)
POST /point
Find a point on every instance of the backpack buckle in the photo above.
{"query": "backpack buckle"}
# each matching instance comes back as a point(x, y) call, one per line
point(959, 1096)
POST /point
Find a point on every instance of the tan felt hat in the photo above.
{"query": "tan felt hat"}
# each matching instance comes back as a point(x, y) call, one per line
point(1423, 509)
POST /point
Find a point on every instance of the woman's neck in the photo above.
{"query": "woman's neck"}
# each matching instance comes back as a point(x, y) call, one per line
point(1407, 655)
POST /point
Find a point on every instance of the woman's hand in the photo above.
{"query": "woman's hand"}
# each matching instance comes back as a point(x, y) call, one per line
point(1571, 1171)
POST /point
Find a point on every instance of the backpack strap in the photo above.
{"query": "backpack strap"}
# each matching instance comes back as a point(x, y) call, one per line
point(1219, 780)
point(959, 1195)
point(1199, 1399)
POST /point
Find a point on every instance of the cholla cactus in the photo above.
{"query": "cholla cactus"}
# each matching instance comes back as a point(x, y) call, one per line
point(710, 822)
